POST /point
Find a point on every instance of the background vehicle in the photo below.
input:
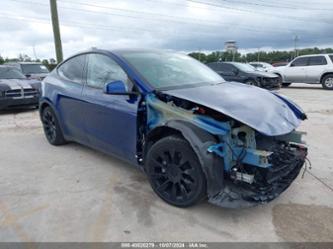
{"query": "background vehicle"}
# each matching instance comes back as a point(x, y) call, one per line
point(261, 66)
point(31, 70)
point(311, 69)
point(194, 134)
point(245, 73)
point(280, 64)
point(16, 90)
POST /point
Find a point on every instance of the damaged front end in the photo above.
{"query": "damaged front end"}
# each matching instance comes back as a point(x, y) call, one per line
point(258, 172)
point(243, 166)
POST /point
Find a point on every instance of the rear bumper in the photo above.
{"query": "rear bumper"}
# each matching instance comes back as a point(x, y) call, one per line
point(6, 103)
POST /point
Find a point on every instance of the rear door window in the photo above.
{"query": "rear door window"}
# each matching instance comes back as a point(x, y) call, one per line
point(317, 60)
point(300, 62)
point(72, 69)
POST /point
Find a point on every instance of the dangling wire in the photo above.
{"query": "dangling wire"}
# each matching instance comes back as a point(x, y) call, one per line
point(307, 161)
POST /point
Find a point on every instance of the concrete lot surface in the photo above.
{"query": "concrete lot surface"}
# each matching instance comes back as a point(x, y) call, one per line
point(72, 193)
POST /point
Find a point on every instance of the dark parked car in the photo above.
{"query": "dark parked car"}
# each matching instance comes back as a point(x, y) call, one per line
point(245, 73)
point(195, 135)
point(261, 66)
point(16, 90)
point(31, 70)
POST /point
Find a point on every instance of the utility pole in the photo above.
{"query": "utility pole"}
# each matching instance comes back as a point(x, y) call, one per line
point(296, 39)
point(34, 51)
point(258, 55)
point(56, 30)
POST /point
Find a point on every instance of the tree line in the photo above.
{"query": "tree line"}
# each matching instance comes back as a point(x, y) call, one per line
point(270, 57)
point(49, 63)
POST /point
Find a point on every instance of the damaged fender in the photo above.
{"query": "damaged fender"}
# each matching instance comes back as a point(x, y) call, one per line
point(222, 153)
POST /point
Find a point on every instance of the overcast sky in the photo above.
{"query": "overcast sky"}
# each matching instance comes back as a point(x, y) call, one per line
point(183, 25)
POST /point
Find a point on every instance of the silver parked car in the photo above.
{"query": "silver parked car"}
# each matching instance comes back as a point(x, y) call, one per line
point(311, 69)
point(32, 70)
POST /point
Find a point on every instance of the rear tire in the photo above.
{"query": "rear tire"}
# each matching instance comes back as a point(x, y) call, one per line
point(327, 82)
point(175, 173)
point(51, 127)
point(286, 84)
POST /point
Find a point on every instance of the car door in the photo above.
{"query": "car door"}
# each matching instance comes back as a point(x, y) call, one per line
point(110, 120)
point(316, 67)
point(69, 103)
point(296, 70)
point(229, 72)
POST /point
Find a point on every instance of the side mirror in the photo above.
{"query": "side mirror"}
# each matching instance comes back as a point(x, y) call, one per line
point(28, 75)
point(117, 88)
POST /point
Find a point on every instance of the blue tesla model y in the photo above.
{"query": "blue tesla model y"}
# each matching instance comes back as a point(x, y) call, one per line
point(195, 135)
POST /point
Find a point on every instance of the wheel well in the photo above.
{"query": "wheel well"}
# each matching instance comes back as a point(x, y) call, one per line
point(325, 74)
point(43, 106)
point(279, 75)
point(159, 133)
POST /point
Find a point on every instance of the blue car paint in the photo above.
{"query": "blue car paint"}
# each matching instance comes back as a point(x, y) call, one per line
point(108, 122)
point(66, 100)
point(293, 106)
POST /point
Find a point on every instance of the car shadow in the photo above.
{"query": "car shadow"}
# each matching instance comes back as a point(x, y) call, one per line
point(305, 87)
point(17, 110)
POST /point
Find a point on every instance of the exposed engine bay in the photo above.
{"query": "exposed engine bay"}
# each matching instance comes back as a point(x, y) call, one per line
point(243, 167)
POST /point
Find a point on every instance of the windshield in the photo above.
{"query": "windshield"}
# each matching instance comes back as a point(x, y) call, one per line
point(244, 67)
point(171, 70)
point(10, 73)
point(34, 68)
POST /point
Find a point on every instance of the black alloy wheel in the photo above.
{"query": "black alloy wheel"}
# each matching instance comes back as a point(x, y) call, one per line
point(51, 127)
point(175, 172)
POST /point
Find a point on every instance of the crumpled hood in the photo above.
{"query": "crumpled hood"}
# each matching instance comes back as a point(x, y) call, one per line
point(264, 74)
point(266, 112)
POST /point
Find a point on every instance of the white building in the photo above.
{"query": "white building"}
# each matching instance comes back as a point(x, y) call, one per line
point(231, 46)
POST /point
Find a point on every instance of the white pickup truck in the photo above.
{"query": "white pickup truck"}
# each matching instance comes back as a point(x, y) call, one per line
point(311, 69)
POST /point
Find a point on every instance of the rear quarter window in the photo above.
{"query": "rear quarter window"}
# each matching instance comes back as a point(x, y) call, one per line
point(317, 60)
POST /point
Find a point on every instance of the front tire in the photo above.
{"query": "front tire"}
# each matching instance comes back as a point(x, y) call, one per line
point(252, 83)
point(51, 127)
point(175, 173)
point(327, 82)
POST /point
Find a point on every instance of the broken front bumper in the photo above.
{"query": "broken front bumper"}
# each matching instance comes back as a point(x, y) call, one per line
point(268, 183)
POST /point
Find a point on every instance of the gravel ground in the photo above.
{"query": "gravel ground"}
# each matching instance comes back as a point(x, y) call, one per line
point(72, 193)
